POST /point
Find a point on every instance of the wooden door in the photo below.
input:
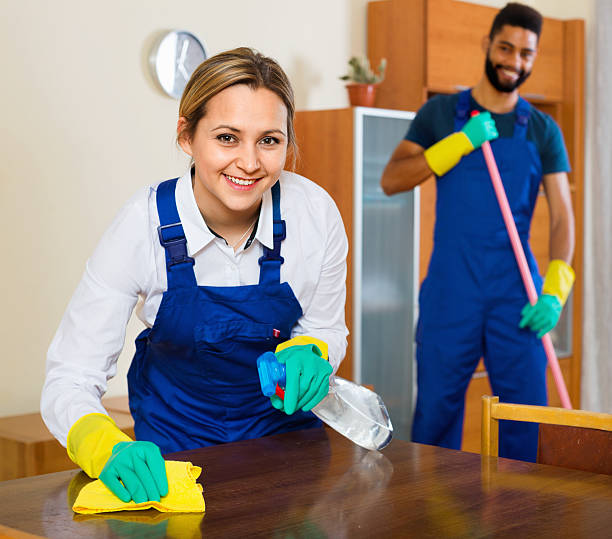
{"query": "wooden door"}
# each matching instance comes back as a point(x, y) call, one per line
point(325, 141)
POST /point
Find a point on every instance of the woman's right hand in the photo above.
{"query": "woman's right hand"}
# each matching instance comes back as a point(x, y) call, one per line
point(307, 376)
point(136, 471)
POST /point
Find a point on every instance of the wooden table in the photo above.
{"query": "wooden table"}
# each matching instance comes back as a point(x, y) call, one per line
point(315, 483)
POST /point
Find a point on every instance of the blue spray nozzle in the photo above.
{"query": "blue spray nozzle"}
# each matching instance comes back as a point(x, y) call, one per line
point(271, 372)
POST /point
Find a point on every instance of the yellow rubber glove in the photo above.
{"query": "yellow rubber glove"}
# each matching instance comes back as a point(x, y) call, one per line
point(445, 154)
point(91, 440)
point(558, 280)
point(305, 339)
point(544, 315)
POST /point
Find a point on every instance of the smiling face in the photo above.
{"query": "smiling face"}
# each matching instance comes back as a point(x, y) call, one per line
point(239, 149)
point(509, 57)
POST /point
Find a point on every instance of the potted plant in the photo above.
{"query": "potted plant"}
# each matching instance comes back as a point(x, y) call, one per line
point(363, 81)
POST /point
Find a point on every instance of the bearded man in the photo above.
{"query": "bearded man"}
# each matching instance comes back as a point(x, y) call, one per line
point(473, 303)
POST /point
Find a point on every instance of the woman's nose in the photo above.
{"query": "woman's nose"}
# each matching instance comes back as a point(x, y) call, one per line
point(248, 160)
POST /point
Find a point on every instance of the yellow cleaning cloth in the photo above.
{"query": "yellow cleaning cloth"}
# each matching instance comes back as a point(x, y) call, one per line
point(184, 494)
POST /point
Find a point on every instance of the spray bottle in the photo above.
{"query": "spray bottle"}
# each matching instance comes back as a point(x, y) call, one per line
point(352, 410)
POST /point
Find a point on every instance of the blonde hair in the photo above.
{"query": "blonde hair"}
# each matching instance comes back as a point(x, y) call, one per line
point(237, 66)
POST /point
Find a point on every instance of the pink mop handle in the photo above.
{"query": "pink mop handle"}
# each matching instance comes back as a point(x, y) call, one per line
point(519, 254)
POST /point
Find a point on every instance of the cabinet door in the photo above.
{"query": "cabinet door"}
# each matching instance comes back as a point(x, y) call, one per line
point(455, 58)
point(386, 276)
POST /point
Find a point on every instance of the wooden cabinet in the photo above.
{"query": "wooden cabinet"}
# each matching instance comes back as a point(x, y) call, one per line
point(28, 448)
point(435, 46)
point(383, 275)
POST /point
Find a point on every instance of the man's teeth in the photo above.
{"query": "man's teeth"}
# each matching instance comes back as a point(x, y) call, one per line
point(239, 181)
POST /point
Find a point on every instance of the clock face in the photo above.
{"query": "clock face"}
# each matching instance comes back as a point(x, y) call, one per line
point(174, 58)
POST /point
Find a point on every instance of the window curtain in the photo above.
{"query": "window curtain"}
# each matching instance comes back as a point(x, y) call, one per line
point(597, 309)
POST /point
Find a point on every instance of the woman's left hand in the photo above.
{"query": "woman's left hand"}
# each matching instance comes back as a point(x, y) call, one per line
point(307, 375)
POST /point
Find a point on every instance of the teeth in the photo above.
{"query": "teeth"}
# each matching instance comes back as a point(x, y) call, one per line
point(239, 181)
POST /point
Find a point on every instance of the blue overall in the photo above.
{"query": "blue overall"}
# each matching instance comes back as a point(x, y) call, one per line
point(193, 381)
point(471, 299)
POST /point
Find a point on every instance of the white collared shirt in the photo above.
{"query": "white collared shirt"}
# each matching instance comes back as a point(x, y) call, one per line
point(129, 264)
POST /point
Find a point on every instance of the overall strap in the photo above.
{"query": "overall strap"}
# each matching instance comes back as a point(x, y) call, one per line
point(463, 109)
point(179, 265)
point(522, 112)
point(270, 262)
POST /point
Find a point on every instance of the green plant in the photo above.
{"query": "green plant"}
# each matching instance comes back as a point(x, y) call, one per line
point(361, 72)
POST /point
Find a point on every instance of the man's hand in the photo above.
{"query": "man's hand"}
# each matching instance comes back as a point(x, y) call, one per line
point(480, 129)
point(543, 316)
point(445, 154)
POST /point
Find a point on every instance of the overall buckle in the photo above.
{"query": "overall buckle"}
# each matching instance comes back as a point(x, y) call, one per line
point(176, 247)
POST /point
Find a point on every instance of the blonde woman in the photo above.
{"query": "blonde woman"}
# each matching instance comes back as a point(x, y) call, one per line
point(235, 258)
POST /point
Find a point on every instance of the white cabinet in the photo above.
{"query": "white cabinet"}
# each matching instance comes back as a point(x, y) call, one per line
point(386, 265)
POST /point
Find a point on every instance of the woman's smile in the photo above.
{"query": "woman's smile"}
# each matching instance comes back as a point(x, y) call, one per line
point(240, 183)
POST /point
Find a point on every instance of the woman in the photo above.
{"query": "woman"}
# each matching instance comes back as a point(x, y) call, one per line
point(229, 261)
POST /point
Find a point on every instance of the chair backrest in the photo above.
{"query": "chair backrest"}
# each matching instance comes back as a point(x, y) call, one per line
point(570, 438)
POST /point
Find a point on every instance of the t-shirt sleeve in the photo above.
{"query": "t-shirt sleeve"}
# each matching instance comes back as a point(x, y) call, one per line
point(434, 121)
point(421, 130)
point(554, 154)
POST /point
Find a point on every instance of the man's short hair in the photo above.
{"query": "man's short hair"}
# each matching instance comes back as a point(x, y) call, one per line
point(515, 14)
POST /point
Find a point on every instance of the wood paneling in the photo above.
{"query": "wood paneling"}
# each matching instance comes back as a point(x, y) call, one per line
point(455, 59)
point(478, 387)
point(572, 123)
point(546, 80)
point(317, 151)
point(28, 448)
point(428, 219)
point(396, 32)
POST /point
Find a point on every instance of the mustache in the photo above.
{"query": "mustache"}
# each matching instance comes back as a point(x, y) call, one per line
point(491, 71)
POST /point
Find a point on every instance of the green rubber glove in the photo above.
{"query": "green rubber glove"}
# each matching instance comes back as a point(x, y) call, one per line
point(480, 128)
point(446, 153)
point(307, 376)
point(543, 316)
point(136, 471)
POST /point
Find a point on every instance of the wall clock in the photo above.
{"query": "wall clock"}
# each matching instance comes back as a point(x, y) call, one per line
point(173, 58)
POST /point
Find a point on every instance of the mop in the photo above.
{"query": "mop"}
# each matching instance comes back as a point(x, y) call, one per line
point(521, 261)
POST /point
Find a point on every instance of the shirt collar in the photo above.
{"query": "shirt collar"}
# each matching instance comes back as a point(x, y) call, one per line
point(265, 234)
point(198, 234)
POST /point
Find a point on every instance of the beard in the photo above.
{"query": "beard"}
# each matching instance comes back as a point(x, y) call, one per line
point(491, 72)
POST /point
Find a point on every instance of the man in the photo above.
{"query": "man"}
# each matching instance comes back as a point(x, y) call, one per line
point(473, 303)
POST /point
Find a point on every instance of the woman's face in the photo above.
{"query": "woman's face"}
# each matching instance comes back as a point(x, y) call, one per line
point(239, 149)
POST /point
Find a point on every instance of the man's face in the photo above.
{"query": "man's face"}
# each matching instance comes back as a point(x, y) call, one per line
point(509, 57)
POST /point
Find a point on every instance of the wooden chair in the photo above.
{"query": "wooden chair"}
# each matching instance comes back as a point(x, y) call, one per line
point(570, 438)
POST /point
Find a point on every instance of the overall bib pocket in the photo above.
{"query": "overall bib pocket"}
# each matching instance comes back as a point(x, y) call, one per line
point(230, 349)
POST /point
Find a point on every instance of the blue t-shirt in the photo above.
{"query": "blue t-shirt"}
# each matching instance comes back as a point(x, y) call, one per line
point(436, 120)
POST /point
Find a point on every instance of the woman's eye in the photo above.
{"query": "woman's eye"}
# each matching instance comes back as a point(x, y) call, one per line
point(225, 138)
point(269, 141)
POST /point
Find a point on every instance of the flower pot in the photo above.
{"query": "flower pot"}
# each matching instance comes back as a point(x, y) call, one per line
point(361, 95)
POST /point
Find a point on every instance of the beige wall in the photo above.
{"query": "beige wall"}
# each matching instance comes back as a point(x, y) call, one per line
point(83, 128)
